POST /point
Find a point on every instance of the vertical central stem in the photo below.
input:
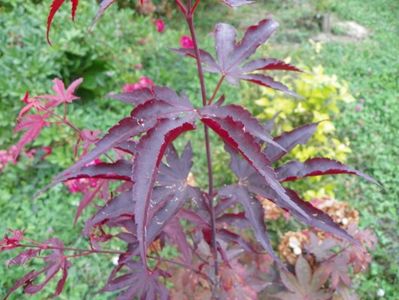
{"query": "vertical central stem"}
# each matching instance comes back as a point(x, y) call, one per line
point(190, 23)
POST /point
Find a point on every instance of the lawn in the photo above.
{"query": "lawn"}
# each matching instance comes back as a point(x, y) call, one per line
point(370, 66)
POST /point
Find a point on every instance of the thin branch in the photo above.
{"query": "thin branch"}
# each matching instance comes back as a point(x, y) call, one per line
point(189, 19)
point(192, 11)
point(219, 84)
point(88, 251)
point(63, 119)
point(181, 6)
point(182, 265)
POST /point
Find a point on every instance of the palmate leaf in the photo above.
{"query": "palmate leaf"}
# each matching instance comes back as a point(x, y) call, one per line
point(143, 117)
point(307, 214)
point(168, 196)
point(172, 190)
point(32, 125)
point(55, 262)
point(254, 214)
point(232, 55)
point(125, 129)
point(305, 284)
point(137, 282)
point(150, 151)
point(233, 134)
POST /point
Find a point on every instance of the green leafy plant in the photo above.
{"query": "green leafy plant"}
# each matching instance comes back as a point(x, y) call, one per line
point(321, 95)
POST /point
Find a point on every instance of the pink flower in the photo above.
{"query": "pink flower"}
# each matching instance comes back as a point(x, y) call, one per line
point(144, 82)
point(62, 95)
point(160, 25)
point(130, 87)
point(186, 42)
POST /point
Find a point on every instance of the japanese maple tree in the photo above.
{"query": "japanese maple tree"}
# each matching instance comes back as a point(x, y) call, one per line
point(152, 200)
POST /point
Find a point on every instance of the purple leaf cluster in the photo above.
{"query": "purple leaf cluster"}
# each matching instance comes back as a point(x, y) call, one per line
point(152, 201)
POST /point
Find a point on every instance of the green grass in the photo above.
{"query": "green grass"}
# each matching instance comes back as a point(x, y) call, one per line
point(371, 67)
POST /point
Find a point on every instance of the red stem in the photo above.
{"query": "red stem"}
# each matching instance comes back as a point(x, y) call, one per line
point(182, 7)
point(189, 19)
point(194, 7)
point(216, 90)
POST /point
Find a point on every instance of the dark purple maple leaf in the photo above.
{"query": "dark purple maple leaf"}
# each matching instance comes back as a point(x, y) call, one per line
point(338, 270)
point(320, 249)
point(171, 191)
point(55, 262)
point(308, 214)
point(234, 135)
point(137, 282)
point(150, 151)
point(253, 212)
point(232, 55)
point(161, 103)
point(305, 284)
point(169, 194)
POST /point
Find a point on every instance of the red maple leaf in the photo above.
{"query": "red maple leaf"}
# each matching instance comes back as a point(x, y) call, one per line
point(62, 95)
point(33, 124)
point(55, 6)
point(13, 241)
point(30, 103)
